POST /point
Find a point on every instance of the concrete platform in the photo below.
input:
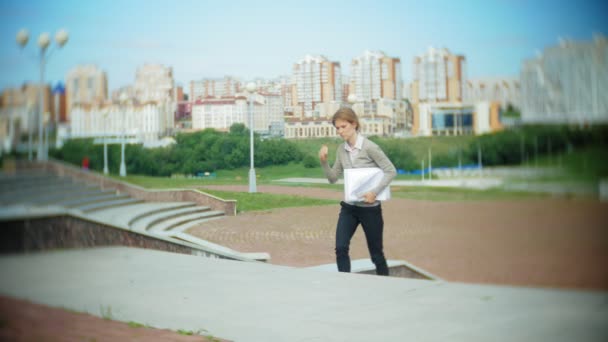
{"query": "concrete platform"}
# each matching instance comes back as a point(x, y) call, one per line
point(261, 302)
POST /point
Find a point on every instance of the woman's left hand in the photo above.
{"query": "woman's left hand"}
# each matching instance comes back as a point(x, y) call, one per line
point(369, 197)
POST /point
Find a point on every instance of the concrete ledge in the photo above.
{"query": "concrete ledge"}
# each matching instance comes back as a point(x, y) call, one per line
point(397, 268)
point(220, 249)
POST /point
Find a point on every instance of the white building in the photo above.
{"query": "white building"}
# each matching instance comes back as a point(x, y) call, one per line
point(309, 128)
point(567, 83)
point(219, 114)
point(222, 113)
point(144, 123)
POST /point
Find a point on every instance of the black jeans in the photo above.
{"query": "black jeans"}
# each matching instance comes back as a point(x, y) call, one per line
point(371, 220)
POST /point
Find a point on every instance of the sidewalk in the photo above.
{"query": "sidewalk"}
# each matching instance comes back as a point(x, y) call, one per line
point(471, 183)
point(261, 302)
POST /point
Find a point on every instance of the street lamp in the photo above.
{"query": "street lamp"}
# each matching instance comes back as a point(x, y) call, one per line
point(44, 40)
point(123, 167)
point(352, 99)
point(251, 88)
point(105, 143)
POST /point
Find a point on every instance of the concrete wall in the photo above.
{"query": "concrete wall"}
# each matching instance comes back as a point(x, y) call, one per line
point(60, 232)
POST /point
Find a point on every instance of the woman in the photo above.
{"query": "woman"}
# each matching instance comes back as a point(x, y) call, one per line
point(358, 152)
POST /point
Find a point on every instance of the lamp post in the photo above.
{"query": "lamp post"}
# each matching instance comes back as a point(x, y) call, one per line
point(44, 40)
point(105, 143)
point(251, 88)
point(352, 99)
point(29, 133)
point(123, 167)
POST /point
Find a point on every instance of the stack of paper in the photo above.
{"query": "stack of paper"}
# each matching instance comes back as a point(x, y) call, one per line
point(357, 182)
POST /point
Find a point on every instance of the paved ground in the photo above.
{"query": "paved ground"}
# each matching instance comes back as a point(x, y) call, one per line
point(251, 302)
point(548, 243)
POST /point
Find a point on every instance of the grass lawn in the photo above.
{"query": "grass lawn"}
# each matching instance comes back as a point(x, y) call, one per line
point(587, 165)
point(263, 201)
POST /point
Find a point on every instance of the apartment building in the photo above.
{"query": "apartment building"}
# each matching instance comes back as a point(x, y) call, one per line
point(214, 87)
point(85, 85)
point(316, 87)
point(316, 92)
point(375, 76)
point(377, 84)
point(437, 94)
point(20, 113)
point(154, 83)
point(504, 90)
point(567, 83)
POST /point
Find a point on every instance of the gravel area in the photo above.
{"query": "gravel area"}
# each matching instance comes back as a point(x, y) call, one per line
point(555, 242)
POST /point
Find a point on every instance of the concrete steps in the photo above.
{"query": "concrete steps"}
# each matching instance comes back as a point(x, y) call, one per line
point(176, 221)
point(170, 218)
point(38, 190)
point(123, 216)
point(111, 203)
point(81, 192)
point(94, 198)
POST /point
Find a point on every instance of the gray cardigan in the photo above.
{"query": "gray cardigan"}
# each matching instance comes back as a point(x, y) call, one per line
point(370, 156)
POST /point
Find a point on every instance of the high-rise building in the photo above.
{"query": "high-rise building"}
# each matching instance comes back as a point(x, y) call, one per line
point(86, 85)
point(567, 83)
point(315, 94)
point(438, 94)
point(154, 83)
point(439, 76)
point(377, 83)
point(375, 76)
point(504, 90)
point(316, 87)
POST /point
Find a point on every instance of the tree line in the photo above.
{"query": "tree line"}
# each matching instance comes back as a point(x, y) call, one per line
point(210, 150)
point(193, 153)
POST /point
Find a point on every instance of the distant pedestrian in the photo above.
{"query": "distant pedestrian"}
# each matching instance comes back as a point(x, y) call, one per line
point(85, 163)
point(358, 152)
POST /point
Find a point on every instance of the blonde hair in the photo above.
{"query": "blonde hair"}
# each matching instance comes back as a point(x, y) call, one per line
point(346, 114)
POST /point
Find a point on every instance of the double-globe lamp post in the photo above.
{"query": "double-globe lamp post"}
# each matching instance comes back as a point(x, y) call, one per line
point(251, 88)
point(44, 40)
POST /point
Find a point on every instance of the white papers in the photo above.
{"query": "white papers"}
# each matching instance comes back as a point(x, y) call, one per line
point(357, 182)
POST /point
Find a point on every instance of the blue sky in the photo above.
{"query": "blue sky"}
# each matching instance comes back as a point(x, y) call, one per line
point(248, 39)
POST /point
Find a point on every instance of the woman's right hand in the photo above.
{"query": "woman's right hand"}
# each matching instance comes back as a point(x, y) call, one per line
point(323, 154)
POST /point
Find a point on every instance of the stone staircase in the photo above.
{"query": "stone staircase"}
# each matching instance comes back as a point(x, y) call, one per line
point(39, 190)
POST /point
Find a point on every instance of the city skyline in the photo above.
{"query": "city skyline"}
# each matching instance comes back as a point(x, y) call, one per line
point(204, 39)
